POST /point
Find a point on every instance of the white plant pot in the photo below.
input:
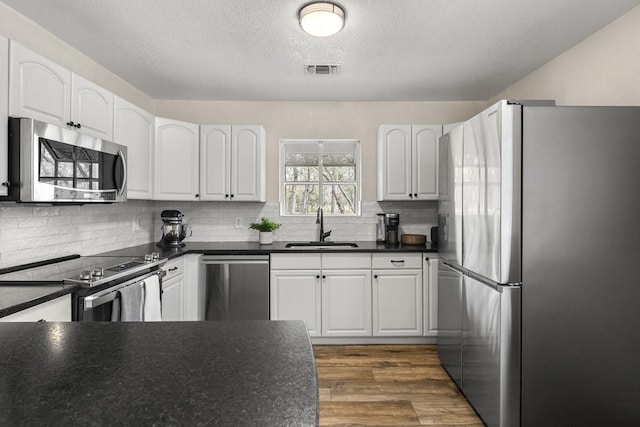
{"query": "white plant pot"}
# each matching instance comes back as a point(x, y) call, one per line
point(266, 237)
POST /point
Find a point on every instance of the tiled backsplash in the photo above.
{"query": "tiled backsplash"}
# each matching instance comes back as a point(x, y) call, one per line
point(31, 233)
point(216, 221)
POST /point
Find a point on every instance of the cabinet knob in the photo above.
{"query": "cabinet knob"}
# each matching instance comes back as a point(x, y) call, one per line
point(70, 124)
point(317, 276)
point(197, 195)
point(375, 276)
point(78, 125)
point(410, 195)
point(6, 184)
point(324, 277)
point(226, 195)
point(415, 195)
point(232, 196)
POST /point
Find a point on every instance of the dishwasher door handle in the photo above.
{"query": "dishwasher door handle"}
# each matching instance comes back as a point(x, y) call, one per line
point(234, 259)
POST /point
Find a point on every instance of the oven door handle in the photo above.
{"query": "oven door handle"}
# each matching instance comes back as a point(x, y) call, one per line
point(110, 294)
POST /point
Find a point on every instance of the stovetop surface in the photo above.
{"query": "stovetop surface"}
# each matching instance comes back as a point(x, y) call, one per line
point(71, 270)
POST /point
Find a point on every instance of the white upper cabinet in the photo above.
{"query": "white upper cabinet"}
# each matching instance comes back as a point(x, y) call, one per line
point(39, 88)
point(424, 149)
point(394, 162)
point(176, 155)
point(408, 162)
point(4, 113)
point(91, 108)
point(233, 162)
point(46, 91)
point(134, 127)
point(215, 158)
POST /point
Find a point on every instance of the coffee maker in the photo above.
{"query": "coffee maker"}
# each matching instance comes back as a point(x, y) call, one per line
point(391, 224)
point(174, 229)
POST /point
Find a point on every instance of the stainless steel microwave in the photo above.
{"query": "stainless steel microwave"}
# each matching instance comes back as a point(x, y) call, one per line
point(51, 164)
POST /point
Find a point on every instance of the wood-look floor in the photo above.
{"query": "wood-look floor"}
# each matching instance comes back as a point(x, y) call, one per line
point(388, 385)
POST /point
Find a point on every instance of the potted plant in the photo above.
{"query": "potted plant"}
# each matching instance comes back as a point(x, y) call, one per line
point(266, 228)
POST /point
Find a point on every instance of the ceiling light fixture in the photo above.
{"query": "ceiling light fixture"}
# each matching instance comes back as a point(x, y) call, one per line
point(322, 19)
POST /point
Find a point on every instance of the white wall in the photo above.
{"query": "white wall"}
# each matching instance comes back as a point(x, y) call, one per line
point(604, 69)
point(17, 27)
point(290, 120)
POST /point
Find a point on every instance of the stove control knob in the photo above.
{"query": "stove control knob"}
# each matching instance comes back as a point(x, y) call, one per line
point(155, 256)
point(97, 272)
point(85, 275)
point(147, 258)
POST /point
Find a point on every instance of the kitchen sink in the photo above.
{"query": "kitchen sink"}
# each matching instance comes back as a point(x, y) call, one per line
point(321, 245)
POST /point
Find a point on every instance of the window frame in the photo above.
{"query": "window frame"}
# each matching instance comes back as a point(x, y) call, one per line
point(357, 181)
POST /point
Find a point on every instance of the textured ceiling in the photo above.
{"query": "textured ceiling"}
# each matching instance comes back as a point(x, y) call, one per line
point(389, 49)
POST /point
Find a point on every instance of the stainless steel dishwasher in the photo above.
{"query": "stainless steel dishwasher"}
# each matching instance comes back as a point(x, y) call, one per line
point(236, 287)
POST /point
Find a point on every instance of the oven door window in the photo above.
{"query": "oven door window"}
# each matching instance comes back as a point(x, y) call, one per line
point(106, 312)
point(79, 173)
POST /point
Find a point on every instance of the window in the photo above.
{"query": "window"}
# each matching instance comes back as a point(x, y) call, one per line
point(320, 174)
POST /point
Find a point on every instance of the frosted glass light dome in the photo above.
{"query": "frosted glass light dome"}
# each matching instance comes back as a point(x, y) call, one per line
point(322, 19)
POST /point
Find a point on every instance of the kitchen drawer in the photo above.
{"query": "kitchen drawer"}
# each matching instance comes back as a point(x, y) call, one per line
point(397, 260)
point(56, 310)
point(174, 267)
point(295, 261)
point(346, 261)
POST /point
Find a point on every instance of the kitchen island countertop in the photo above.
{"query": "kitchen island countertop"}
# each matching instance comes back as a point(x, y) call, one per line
point(158, 373)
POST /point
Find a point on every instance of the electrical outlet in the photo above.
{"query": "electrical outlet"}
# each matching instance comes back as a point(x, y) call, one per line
point(135, 224)
point(238, 222)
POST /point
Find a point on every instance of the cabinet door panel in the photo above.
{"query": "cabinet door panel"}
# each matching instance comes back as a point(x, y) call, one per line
point(425, 161)
point(397, 303)
point(176, 167)
point(133, 127)
point(346, 303)
point(92, 108)
point(215, 156)
point(172, 299)
point(39, 88)
point(394, 162)
point(295, 295)
point(248, 170)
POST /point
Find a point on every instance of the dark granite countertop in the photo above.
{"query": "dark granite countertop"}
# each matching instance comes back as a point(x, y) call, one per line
point(240, 373)
point(14, 298)
point(255, 248)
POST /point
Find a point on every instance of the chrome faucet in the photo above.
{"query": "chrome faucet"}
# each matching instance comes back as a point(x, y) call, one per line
point(320, 220)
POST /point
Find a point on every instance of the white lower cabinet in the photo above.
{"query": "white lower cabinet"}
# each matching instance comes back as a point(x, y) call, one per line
point(397, 295)
point(397, 303)
point(346, 303)
point(181, 289)
point(295, 295)
point(173, 290)
point(56, 310)
point(172, 299)
point(354, 295)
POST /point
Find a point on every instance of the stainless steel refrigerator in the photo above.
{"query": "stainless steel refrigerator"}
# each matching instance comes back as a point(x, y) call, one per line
point(539, 301)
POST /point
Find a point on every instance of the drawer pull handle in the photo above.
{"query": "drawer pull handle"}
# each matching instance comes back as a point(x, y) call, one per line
point(397, 261)
point(173, 268)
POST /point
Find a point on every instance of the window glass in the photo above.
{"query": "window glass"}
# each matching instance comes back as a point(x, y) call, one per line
point(320, 174)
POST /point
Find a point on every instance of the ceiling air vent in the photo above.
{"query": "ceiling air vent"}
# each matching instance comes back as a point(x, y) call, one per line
point(322, 69)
